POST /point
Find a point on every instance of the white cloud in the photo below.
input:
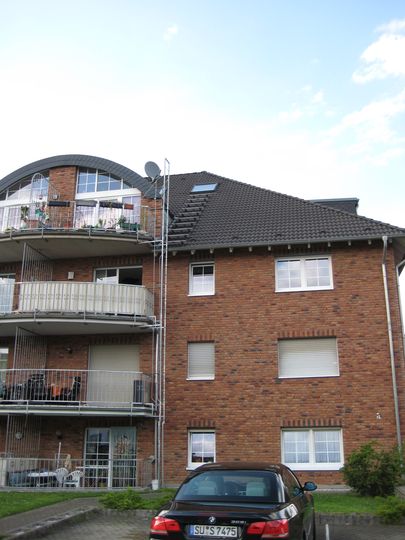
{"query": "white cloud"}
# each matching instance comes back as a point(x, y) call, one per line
point(369, 131)
point(318, 98)
point(386, 56)
point(170, 32)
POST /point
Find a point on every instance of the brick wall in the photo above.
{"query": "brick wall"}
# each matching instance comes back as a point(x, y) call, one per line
point(247, 403)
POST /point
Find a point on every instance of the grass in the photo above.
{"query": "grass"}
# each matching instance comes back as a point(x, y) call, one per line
point(14, 502)
point(345, 503)
point(335, 503)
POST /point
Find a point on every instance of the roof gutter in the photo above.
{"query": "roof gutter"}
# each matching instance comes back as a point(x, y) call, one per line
point(391, 342)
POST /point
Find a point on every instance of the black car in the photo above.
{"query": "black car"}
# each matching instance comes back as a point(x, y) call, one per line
point(246, 501)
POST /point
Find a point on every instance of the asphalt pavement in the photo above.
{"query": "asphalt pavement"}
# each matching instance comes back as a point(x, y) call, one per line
point(85, 519)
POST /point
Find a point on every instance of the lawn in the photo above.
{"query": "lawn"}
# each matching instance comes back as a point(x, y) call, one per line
point(15, 502)
point(345, 503)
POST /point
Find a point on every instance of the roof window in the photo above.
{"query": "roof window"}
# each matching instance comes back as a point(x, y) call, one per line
point(201, 188)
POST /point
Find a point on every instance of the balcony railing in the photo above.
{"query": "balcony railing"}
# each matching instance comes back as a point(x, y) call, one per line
point(73, 297)
point(77, 215)
point(62, 472)
point(62, 390)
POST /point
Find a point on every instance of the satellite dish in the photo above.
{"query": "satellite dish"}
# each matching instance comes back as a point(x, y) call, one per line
point(152, 170)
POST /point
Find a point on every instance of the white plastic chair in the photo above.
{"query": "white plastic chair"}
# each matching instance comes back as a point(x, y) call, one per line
point(73, 479)
point(60, 475)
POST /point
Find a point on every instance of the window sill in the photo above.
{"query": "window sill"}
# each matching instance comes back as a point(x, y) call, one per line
point(315, 466)
point(293, 377)
point(202, 294)
point(201, 378)
point(305, 289)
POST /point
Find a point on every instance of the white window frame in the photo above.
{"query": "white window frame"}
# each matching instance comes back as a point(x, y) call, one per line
point(303, 277)
point(193, 291)
point(206, 377)
point(305, 360)
point(193, 465)
point(312, 465)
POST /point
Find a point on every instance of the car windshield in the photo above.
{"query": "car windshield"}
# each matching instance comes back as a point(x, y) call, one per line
point(242, 486)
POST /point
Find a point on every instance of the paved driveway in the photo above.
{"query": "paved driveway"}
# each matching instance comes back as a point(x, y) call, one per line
point(362, 532)
point(123, 527)
point(104, 527)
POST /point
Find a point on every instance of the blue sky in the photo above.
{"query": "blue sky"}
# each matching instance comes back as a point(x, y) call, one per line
point(303, 97)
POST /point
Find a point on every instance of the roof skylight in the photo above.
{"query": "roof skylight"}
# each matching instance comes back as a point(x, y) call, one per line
point(200, 188)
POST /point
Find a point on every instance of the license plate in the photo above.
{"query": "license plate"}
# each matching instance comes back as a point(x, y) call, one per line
point(214, 531)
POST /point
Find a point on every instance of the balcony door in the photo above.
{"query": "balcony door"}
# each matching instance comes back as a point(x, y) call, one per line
point(110, 457)
point(7, 282)
point(109, 383)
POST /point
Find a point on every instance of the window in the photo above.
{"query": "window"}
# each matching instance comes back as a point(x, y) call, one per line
point(302, 274)
point(318, 449)
point(202, 279)
point(92, 180)
point(28, 189)
point(203, 188)
point(201, 448)
point(308, 358)
point(201, 361)
point(123, 276)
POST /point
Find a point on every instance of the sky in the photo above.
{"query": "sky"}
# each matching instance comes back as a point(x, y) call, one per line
point(302, 97)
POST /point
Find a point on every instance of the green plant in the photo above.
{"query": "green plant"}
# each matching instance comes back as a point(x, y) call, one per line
point(373, 471)
point(391, 510)
point(121, 220)
point(122, 500)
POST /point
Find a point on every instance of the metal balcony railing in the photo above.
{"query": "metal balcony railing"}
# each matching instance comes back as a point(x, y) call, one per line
point(82, 390)
point(63, 472)
point(73, 297)
point(76, 215)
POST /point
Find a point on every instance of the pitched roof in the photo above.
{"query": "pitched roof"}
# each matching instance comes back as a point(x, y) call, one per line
point(238, 214)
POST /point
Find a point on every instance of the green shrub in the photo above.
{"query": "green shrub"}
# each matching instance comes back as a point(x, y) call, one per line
point(373, 471)
point(131, 499)
point(391, 510)
point(122, 500)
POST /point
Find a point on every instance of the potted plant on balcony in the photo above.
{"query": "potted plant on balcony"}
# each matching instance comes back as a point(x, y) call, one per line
point(24, 216)
point(121, 222)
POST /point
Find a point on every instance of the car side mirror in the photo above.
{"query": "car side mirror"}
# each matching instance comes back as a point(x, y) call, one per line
point(309, 486)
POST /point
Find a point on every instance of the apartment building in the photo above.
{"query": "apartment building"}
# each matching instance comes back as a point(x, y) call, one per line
point(259, 326)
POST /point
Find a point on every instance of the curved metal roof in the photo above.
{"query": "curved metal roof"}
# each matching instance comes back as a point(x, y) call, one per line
point(78, 160)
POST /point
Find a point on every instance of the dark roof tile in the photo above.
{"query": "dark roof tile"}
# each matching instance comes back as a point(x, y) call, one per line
point(239, 214)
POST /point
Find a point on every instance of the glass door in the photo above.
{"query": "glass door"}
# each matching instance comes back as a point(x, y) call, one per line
point(123, 454)
point(110, 457)
point(7, 282)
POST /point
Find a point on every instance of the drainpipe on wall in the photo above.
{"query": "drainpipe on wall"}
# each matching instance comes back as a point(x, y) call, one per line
point(391, 342)
point(398, 268)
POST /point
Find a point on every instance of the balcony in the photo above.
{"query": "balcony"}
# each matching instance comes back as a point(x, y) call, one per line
point(75, 392)
point(48, 225)
point(82, 307)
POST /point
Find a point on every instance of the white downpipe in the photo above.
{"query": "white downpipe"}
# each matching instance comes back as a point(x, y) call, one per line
point(391, 343)
point(401, 307)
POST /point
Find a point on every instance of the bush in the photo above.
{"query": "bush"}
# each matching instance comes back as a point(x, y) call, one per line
point(373, 471)
point(122, 500)
point(391, 510)
point(130, 499)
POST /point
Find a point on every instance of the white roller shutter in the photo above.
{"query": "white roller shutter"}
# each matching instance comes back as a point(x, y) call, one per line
point(201, 360)
point(308, 358)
